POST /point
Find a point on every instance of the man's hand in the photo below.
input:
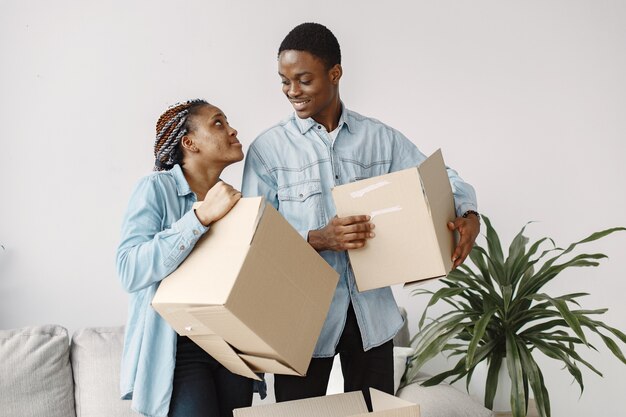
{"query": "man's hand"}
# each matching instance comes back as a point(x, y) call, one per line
point(342, 233)
point(468, 228)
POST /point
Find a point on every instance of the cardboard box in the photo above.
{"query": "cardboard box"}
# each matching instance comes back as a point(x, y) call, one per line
point(252, 293)
point(410, 209)
point(338, 405)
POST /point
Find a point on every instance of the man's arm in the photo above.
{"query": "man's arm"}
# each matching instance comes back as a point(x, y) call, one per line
point(338, 235)
point(257, 179)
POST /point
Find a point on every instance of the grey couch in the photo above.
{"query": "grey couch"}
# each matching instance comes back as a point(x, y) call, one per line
point(44, 373)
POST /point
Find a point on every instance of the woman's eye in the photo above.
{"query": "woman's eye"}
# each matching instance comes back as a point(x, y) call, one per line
point(284, 82)
point(218, 123)
point(305, 82)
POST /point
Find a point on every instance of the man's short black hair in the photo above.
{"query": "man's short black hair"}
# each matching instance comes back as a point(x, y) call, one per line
point(316, 39)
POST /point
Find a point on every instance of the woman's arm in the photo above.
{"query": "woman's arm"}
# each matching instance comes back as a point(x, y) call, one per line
point(149, 249)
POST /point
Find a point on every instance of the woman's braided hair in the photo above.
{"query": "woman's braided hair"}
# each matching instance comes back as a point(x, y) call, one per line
point(170, 128)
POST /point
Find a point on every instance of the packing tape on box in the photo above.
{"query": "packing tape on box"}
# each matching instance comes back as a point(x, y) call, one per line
point(369, 188)
point(384, 211)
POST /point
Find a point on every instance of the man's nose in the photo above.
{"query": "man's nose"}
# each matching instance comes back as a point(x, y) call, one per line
point(294, 90)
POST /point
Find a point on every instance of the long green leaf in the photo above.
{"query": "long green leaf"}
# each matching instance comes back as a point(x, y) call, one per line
point(518, 405)
point(568, 316)
point(479, 333)
point(491, 385)
point(535, 379)
point(559, 352)
point(594, 324)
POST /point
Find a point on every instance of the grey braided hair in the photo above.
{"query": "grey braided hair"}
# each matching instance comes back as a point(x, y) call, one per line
point(170, 128)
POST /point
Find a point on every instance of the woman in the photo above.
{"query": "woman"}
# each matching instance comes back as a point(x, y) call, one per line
point(165, 374)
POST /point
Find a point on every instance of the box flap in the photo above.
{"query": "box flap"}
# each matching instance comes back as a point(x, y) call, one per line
point(410, 411)
point(387, 405)
point(236, 333)
point(267, 365)
point(382, 401)
point(207, 275)
point(339, 405)
point(224, 354)
point(179, 317)
point(438, 191)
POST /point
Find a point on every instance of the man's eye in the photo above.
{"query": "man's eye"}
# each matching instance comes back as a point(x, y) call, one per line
point(284, 82)
point(305, 82)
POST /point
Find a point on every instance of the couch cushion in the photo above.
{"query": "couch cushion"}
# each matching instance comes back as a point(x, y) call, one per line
point(442, 400)
point(96, 357)
point(36, 378)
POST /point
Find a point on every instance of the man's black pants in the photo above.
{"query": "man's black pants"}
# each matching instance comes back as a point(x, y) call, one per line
point(361, 370)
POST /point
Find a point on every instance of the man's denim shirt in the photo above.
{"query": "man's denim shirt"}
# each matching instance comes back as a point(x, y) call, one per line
point(296, 163)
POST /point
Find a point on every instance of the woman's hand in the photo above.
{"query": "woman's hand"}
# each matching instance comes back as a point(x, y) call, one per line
point(217, 202)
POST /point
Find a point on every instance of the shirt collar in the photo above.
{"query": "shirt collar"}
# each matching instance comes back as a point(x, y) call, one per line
point(182, 187)
point(305, 124)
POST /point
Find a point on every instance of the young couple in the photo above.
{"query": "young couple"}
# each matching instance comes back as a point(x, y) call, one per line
point(294, 165)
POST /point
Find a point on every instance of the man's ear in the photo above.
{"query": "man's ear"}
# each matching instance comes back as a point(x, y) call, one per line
point(188, 144)
point(335, 73)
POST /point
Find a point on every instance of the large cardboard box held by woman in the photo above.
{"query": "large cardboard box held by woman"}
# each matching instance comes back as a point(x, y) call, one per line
point(252, 293)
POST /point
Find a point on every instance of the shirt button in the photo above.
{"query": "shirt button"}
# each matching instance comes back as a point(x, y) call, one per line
point(195, 232)
point(319, 127)
point(182, 247)
point(337, 177)
point(301, 195)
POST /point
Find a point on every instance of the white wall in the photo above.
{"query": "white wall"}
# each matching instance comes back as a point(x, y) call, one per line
point(526, 99)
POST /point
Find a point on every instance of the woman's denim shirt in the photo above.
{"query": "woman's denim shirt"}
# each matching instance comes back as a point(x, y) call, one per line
point(296, 163)
point(158, 232)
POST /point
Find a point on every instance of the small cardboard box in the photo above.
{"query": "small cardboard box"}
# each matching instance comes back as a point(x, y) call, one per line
point(351, 404)
point(411, 209)
point(252, 293)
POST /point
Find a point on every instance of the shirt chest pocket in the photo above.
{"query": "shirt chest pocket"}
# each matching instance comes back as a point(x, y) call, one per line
point(301, 203)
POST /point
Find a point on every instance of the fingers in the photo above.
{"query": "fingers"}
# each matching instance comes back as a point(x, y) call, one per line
point(217, 202)
point(460, 254)
point(348, 220)
point(468, 229)
point(345, 233)
point(353, 228)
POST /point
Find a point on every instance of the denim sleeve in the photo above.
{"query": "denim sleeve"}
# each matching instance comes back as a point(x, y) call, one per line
point(257, 179)
point(406, 155)
point(148, 252)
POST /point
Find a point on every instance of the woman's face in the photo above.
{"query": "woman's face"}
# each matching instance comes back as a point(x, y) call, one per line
point(214, 139)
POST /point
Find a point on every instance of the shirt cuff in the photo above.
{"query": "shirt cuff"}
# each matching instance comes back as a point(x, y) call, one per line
point(463, 208)
point(191, 228)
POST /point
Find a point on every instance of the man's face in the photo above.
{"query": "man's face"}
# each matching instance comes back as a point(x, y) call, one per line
point(309, 86)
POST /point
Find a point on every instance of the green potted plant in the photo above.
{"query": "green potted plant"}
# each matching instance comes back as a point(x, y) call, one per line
point(499, 313)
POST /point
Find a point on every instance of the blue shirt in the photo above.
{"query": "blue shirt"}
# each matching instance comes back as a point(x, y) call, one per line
point(158, 232)
point(296, 163)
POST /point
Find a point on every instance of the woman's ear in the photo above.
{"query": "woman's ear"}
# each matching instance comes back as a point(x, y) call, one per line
point(188, 144)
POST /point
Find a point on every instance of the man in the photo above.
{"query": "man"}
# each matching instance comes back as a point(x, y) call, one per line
point(294, 165)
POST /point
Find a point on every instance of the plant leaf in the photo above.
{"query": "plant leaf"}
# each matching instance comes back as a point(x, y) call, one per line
point(568, 316)
point(491, 385)
point(513, 362)
point(479, 332)
point(535, 379)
